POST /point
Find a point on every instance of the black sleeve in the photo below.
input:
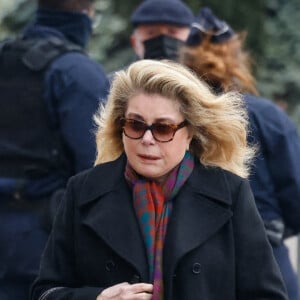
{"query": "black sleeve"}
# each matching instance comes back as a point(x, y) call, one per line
point(57, 277)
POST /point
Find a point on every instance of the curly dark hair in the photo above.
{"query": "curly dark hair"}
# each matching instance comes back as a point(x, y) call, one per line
point(225, 66)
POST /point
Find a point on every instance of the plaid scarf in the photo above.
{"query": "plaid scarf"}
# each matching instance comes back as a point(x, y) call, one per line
point(153, 208)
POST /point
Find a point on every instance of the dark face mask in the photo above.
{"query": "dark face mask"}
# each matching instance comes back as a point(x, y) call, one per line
point(162, 47)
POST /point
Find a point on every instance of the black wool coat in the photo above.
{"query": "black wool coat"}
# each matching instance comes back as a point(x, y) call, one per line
point(215, 247)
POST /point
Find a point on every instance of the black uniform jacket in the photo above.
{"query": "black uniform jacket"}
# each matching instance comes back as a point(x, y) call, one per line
point(215, 247)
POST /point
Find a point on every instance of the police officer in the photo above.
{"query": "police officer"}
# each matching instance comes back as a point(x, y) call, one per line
point(160, 28)
point(46, 132)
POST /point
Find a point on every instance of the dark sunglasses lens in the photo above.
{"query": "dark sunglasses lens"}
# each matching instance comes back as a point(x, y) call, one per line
point(162, 132)
point(134, 129)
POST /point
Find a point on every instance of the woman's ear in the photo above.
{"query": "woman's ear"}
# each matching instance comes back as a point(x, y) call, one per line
point(190, 137)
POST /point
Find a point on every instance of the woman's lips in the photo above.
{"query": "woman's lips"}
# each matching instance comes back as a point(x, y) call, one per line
point(148, 157)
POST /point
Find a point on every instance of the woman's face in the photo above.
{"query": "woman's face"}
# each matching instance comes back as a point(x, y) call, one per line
point(147, 156)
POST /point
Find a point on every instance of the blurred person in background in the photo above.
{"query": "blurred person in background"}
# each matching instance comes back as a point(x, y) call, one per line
point(50, 90)
point(216, 53)
point(160, 28)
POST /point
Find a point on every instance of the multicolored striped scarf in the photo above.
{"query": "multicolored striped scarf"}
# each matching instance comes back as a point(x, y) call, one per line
point(153, 207)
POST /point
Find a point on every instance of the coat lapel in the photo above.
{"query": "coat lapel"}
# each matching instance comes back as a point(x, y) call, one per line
point(111, 216)
point(199, 211)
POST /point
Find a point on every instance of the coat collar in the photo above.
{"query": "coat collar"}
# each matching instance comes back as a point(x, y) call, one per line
point(200, 209)
point(74, 26)
point(97, 184)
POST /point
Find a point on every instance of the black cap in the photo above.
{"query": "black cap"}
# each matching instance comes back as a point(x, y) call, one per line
point(173, 12)
point(207, 23)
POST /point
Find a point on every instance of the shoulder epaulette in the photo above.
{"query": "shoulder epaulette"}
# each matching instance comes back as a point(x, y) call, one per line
point(44, 51)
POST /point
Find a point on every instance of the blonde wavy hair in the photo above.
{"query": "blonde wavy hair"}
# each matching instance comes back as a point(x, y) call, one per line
point(225, 66)
point(218, 123)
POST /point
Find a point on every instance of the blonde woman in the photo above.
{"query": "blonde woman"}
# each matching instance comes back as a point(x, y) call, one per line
point(167, 211)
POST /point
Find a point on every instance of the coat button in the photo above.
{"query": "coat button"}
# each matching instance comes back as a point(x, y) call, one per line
point(54, 152)
point(196, 268)
point(110, 266)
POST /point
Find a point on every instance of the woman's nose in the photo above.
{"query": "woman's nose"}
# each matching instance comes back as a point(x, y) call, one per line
point(148, 137)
